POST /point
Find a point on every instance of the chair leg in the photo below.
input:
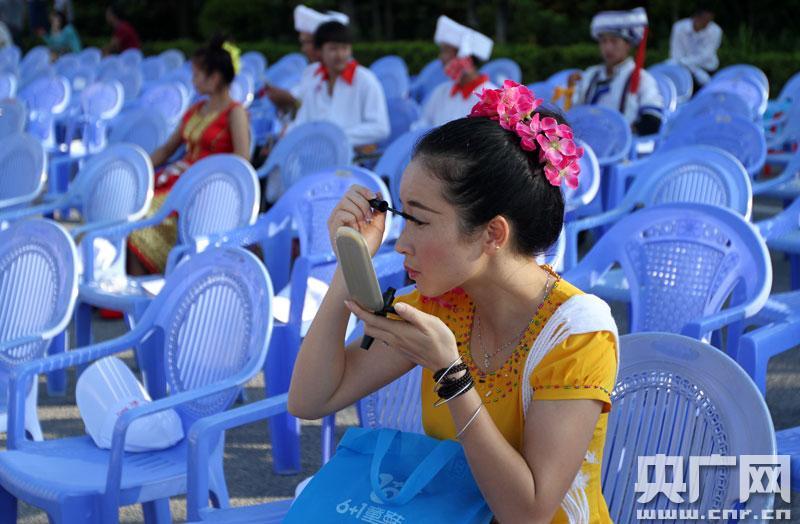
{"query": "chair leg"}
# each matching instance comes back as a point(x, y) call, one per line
point(8, 507)
point(328, 437)
point(57, 380)
point(32, 424)
point(216, 477)
point(157, 512)
point(284, 428)
point(794, 265)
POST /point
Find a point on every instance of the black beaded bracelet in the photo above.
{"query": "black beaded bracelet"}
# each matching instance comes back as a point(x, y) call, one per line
point(450, 371)
point(451, 389)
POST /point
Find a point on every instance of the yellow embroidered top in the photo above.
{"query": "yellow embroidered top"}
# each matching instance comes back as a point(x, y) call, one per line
point(581, 367)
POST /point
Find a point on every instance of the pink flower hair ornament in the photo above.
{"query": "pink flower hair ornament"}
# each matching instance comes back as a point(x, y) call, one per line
point(513, 108)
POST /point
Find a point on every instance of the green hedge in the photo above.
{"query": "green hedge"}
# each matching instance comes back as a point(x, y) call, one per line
point(537, 62)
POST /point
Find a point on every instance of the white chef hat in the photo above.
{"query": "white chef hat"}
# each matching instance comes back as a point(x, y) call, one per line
point(467, 41)
point(307, 20)
point(629, 25)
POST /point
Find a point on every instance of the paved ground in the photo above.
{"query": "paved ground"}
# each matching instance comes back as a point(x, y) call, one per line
point(248, 464)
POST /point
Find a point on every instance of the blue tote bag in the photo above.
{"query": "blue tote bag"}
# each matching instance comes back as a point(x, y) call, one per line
point(384, 476)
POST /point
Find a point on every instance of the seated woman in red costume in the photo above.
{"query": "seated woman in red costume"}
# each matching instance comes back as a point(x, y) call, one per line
point(214, 125)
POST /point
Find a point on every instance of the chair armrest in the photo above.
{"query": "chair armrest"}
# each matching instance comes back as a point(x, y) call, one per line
point(204, 434)
point(8, 344)
point(41, 209)
point(699, 329)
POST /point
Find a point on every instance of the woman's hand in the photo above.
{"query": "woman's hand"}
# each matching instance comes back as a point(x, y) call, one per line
point(422, 338)
point(353, 210)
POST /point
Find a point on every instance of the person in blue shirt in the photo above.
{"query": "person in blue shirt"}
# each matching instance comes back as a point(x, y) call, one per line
point(63, 37)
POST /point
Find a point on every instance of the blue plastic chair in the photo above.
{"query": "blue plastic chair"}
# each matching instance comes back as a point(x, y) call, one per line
point(604, 129)
point(707, 104)
point(101, 102)
point(131, 80)
point(305, 149)
point(13, 116)
point(392, 72)
point(403, 112)
point(90, 56)
point(542, 90)
point(170, 99)
point(22, 170)
point(669, 92)
point(110, 66)
point(131, 58)
point(680, 76)
point(501, 69)
point(782, 233)
point(743, 71)
point(243, 89)
point(217, 194)
point(8, 85)
point(153, 69)
point(210, 326)
point(255, 61)
point(394, 160)
point(577, 200)
point(427, 80)
point(699, 174)
point(45, 98)
point(172, 59)
point(38, 286)
point(752, 92)
point(738, 136)
point(677, 396)
point(146, 129)
point(10, 56)
point(34, 64)
point(691, 269)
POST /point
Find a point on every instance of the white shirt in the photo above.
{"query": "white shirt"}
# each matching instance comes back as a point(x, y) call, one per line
point(697, 50)
point(443, 106)
point(358, 108)
point(597, 88)
point(306, 79)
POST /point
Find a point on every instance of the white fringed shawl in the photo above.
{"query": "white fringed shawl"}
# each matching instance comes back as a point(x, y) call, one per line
point(578, 315)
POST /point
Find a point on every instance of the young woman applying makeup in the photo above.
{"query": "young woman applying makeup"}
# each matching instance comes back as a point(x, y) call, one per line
point(517, 363)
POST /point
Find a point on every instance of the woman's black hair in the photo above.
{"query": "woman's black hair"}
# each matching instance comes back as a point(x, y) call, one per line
point(332, 31)
point(486, 173)
point(62, 18)
point(214, 59)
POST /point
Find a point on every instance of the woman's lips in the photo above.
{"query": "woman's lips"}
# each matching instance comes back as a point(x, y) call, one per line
point(411, 273)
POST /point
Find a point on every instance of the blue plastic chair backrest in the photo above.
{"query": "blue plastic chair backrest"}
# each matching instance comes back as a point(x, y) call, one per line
point(114, 185)
point(90, 56)
point(131, 58)
point(669, 93)
point(392, 73)
point(45, 98)
point(744, 71)
point(312, 199)
point(13, 116)
point(10, 55)
point(66, 63)
point(683, 262)
point(738, 136)
point(22, 169)
point(394, 160)
point(677, 396)
point(403, 112)
point(255, 61)
point(38, 286)
point(172, 59)
point(152, 69)
point(216, 194)
point(171, 99)
point(708, 104)
point(559, 79)
point(306, 149)
point(542, 90)
point(103, 99)
point(110, 67)
point(214, 320)
point(588, 181)
point(753, 93)
point(428, 79)
point(501, 69)
point(146, 129)
point(698, 174)
point(604, 129)
point(243, 88)
point(79, 78)
point(33, 63)
point(397, 405)
point(297, 61)
point(680, 76)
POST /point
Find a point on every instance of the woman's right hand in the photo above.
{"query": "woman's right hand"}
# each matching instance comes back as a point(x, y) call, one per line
point(353, 210)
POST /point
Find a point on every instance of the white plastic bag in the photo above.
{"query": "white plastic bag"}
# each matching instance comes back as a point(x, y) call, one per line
point(105, 391)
